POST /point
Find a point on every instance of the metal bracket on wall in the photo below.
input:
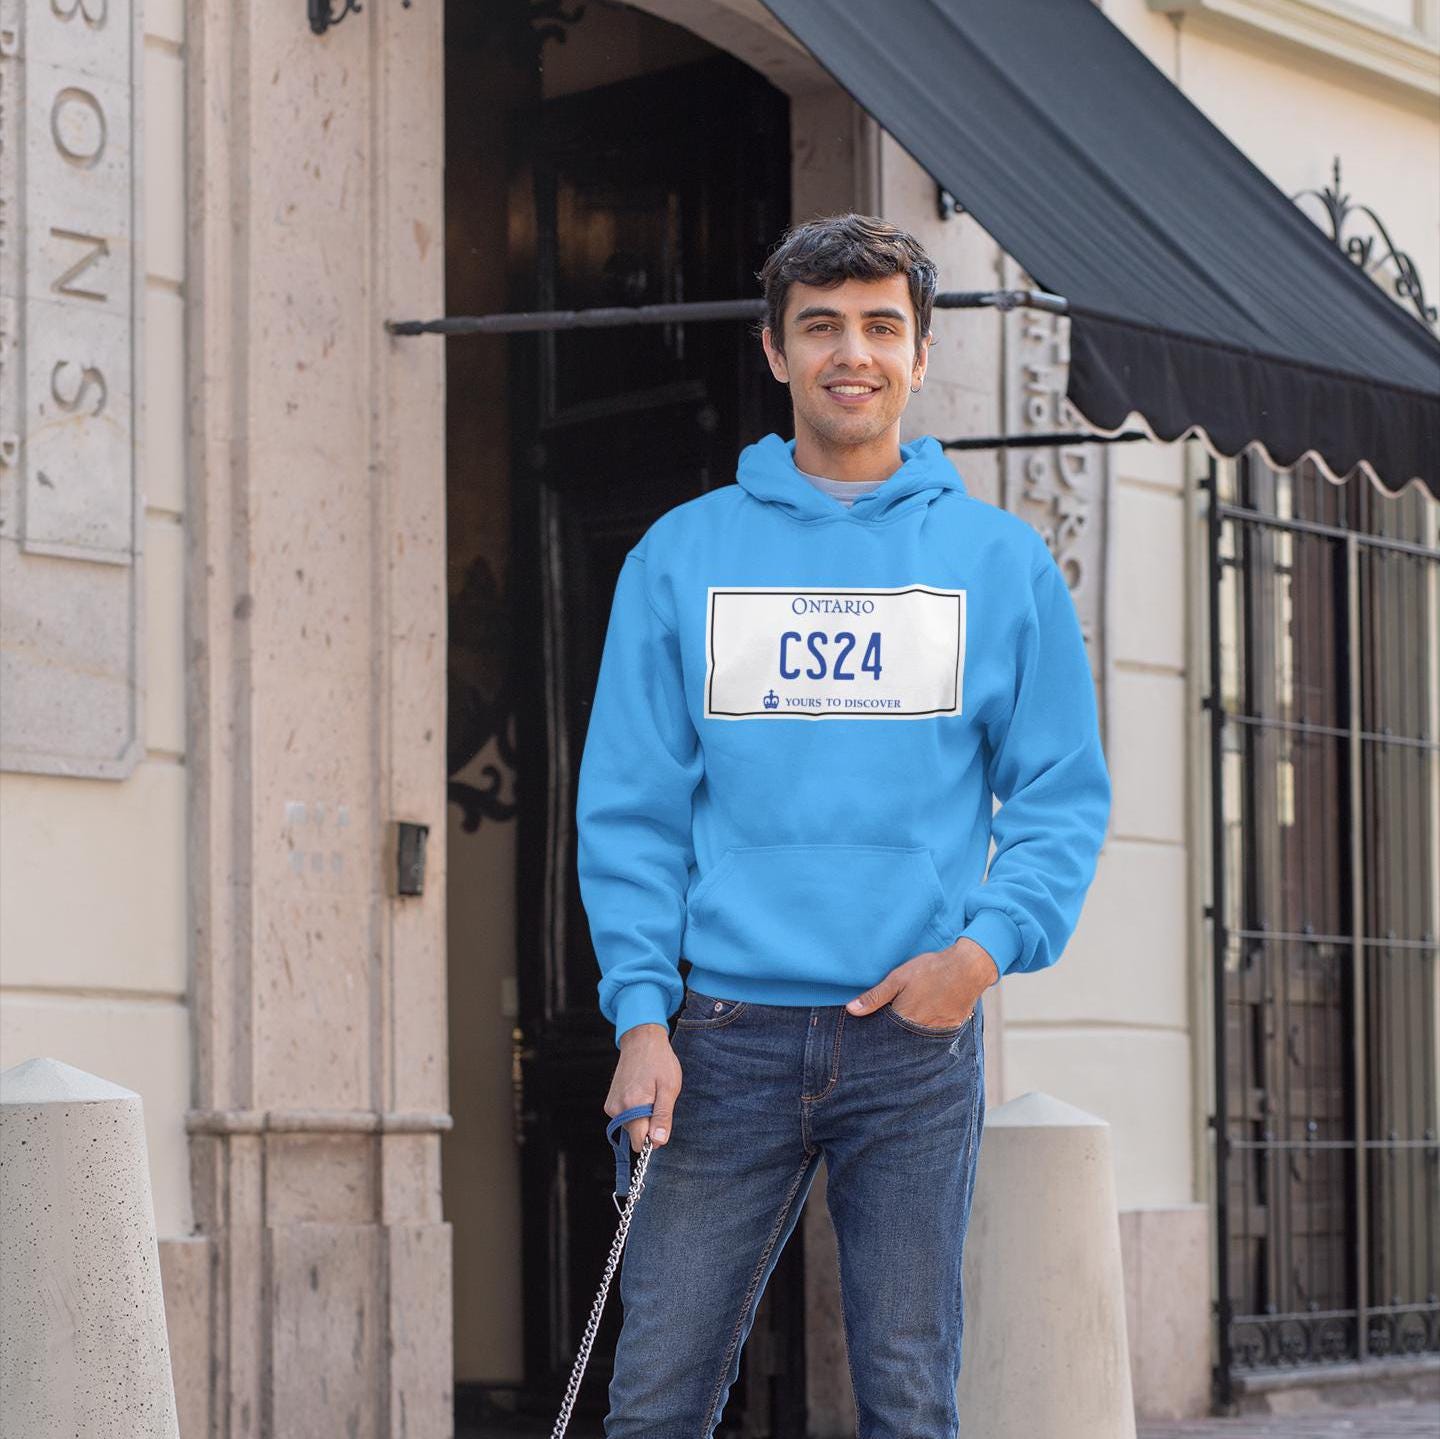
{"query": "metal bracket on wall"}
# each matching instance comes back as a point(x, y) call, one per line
point(1363, 250)
point(322, 18)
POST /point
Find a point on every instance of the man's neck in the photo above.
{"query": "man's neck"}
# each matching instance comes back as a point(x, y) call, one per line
point(878, 459)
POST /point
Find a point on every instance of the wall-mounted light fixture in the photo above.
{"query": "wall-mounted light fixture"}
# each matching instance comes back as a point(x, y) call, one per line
point(323, 16)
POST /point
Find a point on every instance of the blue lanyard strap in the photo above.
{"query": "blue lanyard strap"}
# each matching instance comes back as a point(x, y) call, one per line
point(620, 1141)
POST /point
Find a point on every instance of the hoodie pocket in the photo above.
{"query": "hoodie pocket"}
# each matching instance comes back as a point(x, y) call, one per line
point(824, 913)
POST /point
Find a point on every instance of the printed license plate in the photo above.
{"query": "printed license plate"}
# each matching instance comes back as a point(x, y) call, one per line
point(777, 652)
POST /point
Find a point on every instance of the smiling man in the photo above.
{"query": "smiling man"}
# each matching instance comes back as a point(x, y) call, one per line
point(814, 684)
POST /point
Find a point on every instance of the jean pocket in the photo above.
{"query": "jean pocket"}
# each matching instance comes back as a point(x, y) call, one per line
point(930, 1031)
point(706, 1011)
point(820, 913)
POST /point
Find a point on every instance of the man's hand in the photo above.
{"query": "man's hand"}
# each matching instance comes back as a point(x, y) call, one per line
point(647, 1072)
point(939, 987)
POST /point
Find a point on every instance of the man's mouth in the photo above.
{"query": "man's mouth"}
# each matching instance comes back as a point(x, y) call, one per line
point(852, 391)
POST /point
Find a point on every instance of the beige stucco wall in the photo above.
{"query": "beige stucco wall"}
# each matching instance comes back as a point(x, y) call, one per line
point(1109, 1029)
point(94, 952)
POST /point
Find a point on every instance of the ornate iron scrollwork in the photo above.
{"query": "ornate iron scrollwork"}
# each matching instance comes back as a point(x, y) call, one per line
point(1361, 248)
point(322, 15)
point(482, 694)
point(550, 17)
point(522, 26)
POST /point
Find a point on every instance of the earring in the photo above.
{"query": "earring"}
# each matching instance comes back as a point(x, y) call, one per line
point(915, 389)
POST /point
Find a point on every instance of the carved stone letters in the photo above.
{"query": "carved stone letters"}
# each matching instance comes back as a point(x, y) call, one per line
point(71, 302)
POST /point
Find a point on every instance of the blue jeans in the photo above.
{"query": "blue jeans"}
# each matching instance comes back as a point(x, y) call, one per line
point(896, 1109)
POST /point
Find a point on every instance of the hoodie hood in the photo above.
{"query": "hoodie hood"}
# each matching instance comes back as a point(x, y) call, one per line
point(767, 470)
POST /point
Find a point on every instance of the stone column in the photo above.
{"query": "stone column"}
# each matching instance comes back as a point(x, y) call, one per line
point(316, 694)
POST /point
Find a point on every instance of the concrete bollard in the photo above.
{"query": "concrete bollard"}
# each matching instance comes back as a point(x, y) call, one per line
point(85, 1353)
point(1044, 1353)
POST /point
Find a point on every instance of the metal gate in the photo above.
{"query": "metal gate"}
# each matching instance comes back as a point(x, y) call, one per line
point(1324, 697)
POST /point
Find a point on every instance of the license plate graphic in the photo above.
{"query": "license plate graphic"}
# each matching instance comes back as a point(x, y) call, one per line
point(773, 652)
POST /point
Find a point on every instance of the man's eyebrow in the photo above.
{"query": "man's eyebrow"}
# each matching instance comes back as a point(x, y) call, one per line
point(811, 312)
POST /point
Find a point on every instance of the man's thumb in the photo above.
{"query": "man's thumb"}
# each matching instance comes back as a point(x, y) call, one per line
point(660, 1122)
point(873, 997)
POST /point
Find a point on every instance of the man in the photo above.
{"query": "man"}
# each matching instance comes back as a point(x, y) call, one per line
point(812, 684)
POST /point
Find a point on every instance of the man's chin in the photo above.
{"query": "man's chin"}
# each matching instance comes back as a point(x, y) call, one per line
point(847, 431)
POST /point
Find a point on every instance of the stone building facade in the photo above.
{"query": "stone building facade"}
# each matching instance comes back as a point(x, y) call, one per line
point(255, 548)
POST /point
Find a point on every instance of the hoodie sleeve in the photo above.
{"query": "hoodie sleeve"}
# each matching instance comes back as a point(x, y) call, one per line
point(641, 763)
point(1048, 771)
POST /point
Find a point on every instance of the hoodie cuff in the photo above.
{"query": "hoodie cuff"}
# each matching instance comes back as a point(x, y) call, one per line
point(997, 934)
point(642, 1002)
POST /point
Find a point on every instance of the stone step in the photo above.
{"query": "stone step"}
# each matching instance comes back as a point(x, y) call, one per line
point(1388, 1421)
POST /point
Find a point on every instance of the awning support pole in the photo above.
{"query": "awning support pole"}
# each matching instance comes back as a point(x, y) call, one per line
point(1020, 442)
point(607, 317)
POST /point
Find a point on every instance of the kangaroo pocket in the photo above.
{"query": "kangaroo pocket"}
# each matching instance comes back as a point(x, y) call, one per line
point(826, 913)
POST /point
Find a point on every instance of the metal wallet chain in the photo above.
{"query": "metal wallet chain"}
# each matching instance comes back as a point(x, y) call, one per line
point(629, 1186)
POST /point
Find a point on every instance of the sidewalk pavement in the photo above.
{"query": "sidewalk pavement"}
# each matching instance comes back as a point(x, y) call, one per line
point(1390, 1421)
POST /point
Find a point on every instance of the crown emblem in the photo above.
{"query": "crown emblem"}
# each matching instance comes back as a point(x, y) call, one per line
point(772, 701)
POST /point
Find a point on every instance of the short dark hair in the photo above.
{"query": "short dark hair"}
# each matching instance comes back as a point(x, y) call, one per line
point(836, 248)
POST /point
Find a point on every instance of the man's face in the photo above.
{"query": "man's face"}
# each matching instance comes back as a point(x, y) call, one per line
point(849, 357)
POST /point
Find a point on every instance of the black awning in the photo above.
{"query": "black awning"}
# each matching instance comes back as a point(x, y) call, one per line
point(1200, 294)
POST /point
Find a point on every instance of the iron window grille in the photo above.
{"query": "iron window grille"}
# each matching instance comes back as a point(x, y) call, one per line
point(1324, 698)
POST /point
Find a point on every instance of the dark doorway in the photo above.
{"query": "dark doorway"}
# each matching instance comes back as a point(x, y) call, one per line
point(664, 187)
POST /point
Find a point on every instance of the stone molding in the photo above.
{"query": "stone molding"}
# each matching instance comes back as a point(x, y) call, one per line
point(314, 1121)
point(1340, 33)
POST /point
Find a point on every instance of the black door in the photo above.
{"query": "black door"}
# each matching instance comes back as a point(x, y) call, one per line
point(667, 187)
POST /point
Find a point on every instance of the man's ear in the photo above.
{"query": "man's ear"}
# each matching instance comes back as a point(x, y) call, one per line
point(917, 373)
point(778, 367)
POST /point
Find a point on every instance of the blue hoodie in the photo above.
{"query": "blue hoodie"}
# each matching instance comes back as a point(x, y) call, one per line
point(801, 713)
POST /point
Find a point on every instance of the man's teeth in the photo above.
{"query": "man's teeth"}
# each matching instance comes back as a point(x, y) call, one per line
point(851, 389)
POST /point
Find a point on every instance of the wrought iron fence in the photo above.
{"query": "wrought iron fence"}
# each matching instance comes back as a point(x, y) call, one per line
point(1325, 770)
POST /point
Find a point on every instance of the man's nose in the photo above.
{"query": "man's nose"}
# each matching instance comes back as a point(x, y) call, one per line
point(851, 348)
